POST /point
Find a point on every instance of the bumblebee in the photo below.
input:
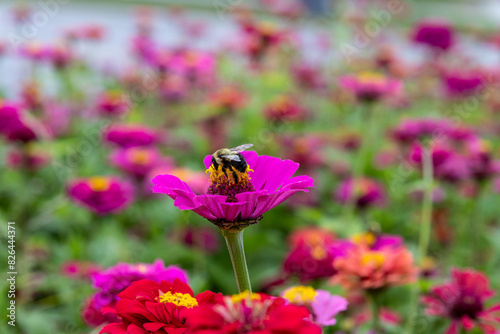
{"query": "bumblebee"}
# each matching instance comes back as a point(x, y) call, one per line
point(230, 159)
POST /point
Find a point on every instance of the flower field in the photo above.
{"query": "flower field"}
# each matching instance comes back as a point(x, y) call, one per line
point(291, 174)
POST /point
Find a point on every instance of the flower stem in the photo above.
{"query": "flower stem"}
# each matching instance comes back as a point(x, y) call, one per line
point(375, 313)
point(368, 127)
point(425, 228)
point(234, 242)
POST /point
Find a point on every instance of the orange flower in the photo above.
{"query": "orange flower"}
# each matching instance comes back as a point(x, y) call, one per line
point(368, 269)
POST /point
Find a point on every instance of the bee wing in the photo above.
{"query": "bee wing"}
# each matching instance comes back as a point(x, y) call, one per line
point(241, 148)
point(231, 157)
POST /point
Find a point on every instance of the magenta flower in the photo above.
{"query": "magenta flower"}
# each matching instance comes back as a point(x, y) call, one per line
point(463, 301)
point(114, 280)
point(101, 195)
point(130, 135)
point(364, 192)
point(137, 161)
point(462, 84)
point(435, 34)
point(370, 87)
point(265, 184)
point(112, 103)
point(27, 157)
point(15, 125)
point(410, 130)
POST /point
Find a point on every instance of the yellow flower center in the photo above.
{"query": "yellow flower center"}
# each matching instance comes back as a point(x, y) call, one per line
point(318, 252)
point(374, 258)
point(99, 183)
point(428, 263)
point(140, 157)
point(367, 238)
point(142, 268)
point(300, 294)
point(371, 77)
point(218, 177)
point(245, 295)
point(179, 299)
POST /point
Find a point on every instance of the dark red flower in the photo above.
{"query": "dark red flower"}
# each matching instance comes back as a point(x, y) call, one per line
point(463, 301)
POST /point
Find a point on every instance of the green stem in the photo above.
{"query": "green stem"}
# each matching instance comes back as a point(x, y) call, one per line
point(234, 242)
point(375, 313)
point(359, 167)
point(425, 228)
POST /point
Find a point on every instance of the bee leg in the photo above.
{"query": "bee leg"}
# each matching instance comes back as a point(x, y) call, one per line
point(235, 175)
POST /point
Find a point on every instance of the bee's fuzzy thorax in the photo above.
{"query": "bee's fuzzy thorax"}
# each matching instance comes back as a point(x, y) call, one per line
point(223, 182)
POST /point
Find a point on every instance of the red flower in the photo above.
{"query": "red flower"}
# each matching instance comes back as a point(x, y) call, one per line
point(251, 314)
point(150, 307)
point(463, 301)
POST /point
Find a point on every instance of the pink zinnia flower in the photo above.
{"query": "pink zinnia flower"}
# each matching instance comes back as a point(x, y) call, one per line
point(138, 161)
point(284, 108)
point(27, 157)
point(110, 282)
point(435, 34)
point(367, 269)
point(131, 135)
point(322, 304)
point(265, 184)
point(363, 192)
point(370, 87)
point(112, 103)
point(462, 83)
point(410, 130)
point(16, 125)
point(463, 301)
point(101, 195)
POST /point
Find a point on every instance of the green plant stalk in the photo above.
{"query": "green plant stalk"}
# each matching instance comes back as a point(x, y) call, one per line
point(234, 242)
point(359, 167)
point(425, 228)
point(375, 313)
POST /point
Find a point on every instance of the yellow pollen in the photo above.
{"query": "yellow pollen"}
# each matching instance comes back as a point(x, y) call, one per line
point(428, 263)
point(371, 77)
point(217, 176)
point(373, 258)
point(139, 156)
point(318, 252)
point(300, 294)
point(245, 295)
point(179, 299)
point(367, 238)
point(99, 183)
point(141, 267)
point(267, 28)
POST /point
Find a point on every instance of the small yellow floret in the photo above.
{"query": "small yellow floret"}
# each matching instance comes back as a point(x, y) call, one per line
point(300, 294)
point(243, 296)
point(99, 183)
point(373, 258)
point(179, 299)
point(140, 157)
point(371, 77)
